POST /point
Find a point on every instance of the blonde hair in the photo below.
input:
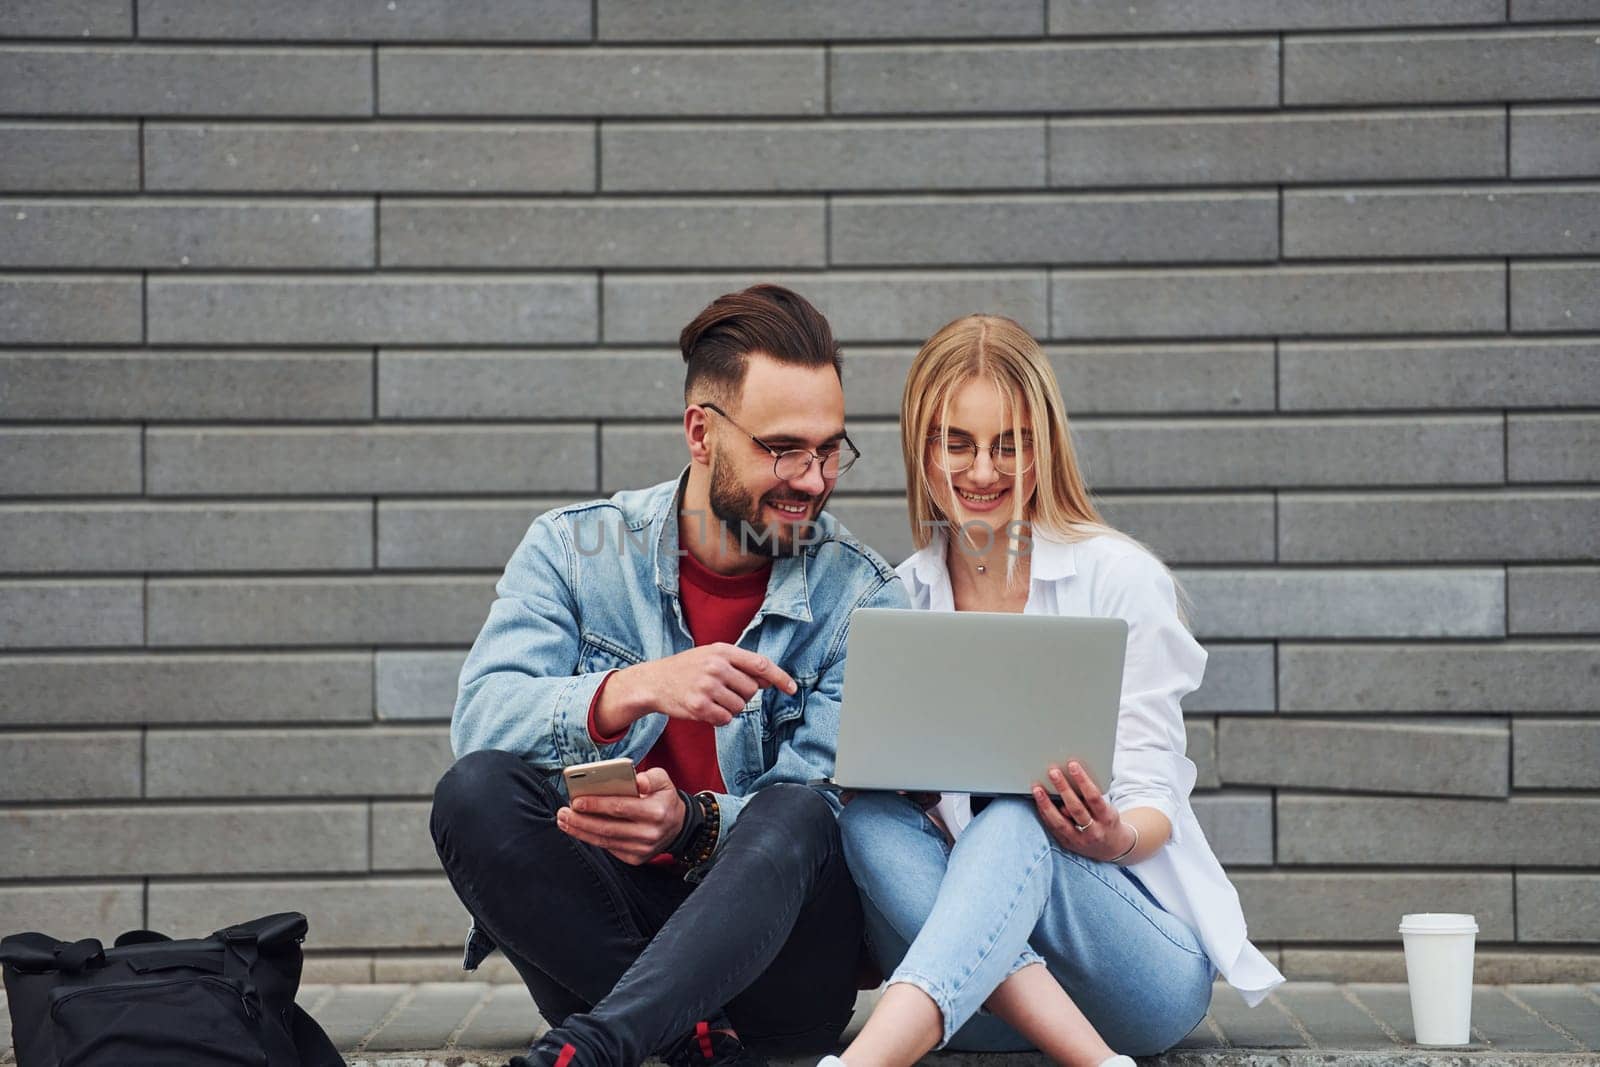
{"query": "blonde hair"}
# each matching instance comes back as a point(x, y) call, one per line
point(998, 350)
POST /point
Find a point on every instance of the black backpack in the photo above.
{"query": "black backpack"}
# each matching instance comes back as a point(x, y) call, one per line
point(150, 1000)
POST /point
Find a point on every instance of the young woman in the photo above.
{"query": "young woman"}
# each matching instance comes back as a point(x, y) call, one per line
point(1094, 926)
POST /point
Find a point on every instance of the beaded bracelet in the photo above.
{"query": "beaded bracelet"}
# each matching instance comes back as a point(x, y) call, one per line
point(704, 843)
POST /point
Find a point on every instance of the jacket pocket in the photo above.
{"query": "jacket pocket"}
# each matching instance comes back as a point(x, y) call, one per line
point(783, 715)
point(596, 653)
point(204, 1021)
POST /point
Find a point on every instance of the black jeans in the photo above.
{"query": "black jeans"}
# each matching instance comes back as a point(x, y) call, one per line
point(624, 960)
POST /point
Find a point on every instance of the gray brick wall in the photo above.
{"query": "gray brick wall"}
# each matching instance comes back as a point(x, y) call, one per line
point(307, 307)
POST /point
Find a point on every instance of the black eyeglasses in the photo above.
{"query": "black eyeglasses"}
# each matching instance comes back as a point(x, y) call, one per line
point(790, 464)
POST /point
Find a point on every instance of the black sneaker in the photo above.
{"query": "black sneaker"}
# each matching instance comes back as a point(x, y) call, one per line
point(712, 1044)
point(547, 1054)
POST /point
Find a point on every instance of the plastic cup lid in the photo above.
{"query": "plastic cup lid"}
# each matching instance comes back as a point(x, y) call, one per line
point(1429, 922)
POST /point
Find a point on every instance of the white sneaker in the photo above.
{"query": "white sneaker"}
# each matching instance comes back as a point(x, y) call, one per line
point(830, 1061)
point(1119, 1061)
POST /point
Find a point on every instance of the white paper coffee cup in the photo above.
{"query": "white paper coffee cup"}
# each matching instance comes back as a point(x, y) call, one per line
point(1439, 973)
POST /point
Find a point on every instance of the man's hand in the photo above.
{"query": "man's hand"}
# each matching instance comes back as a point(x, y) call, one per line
point(633, 829)
point(711, 683)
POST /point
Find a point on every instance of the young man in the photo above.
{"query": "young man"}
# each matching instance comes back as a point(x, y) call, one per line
point(697, 628)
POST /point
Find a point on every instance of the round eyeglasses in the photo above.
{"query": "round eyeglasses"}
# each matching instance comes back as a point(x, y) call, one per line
point(793, 463)
point(956, 455)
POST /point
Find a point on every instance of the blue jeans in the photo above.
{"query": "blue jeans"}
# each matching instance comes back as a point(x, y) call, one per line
point(956, 922)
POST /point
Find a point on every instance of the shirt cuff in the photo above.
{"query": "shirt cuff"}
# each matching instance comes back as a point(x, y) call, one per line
point(594, 702)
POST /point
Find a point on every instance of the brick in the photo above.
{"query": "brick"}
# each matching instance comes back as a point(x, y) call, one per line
point(70, 461)
point(1269, 301)
point(1556, 754)
point(354, 1012)
point(79, 309)
point(1238, 827)
point(1026, 229)
point(401, 839)
point(462, 534)
point(1558, 907)
point(1267, 1027)
point(1554, 10)
point(1286, 148)
point(157, 839)
point(1510, 677)
point(532, 82)
point(338, 968)
point(70, 766)
point(1499, 220)
point(379, 157)
point(1554, 296)
point(1555, 142)
point(1339, 906)
point(103, 910)
point(628, 233)
point(318, 611)
point(151, 81)
point(375, 761)
point(1094, 17)
point(508, 1020)
point(860, 305)
point(775, 20)
point(367, 20)
point(1526, 831)
point(368, 913)
point(1288, 602)
point(370, 459)
point(1201, 528)
point(1201, 748)
point(1513, 1025)
point(1489, 965)
point(1258, 453)
point(165, 688)
point(1438, 527)
point(1463, 758)
point(445, 966)
point(638, 455)
point(1440, 68)
point(912, 79)
point(1554, 600)
point(1238, 678)
point(1553, 448)
point(405, 309)
point(1508, 372)
point(771, 157)
point(154, 385)
point(67, 18)
point(81, 613)
point(186, 233)
point(1332, 1020)
point(433, 1009)
point(62, 538)
point(536, 384)
point(61, 157)
point(1564, 1006)
point(417, 685)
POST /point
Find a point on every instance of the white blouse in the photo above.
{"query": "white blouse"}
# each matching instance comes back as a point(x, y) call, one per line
point(1107, 576)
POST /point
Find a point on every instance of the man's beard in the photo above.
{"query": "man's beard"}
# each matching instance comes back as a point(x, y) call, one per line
point(740, 513)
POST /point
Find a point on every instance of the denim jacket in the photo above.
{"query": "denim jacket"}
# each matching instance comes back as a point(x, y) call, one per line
point(594, 587)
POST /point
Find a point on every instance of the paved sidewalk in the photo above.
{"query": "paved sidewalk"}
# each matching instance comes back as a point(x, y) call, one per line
point(1303, 1024)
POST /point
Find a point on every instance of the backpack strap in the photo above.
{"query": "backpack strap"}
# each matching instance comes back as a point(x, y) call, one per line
point(29, 953)
point(80, 956)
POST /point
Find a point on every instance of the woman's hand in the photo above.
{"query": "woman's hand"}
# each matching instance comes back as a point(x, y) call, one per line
point(1086, 823)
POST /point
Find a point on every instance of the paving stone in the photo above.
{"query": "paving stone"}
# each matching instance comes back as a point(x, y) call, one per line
point(1464, 758)
point(911, 79)
point(1330, 1019)
point(355, 1011)
point(1556, 754)
point(1277, 301)
point(1350, 906)
point(741, 20)
point(368, 20)
point(444, 609)
point(376, 309)
point(61, 538)
point(370, 762)
point(1566, 1007)
point(103, 910)
point(1525, 830)
point(1500, 1022)
point(1266, 1025)
point(1558, 908)
point(1515, 676)
point(88, 309)
point(417, 685)
point(1554, 296)
point(1555, 142)
point(401, 839)
point(1437, 527)
point(1392, 1005)
point(435, 1009)
point(1094, 17)
point(1553, 448)
point(1488, 373)
point(379, 157)
point(1553, 600)
point(70, 461)
point(1443, 68)
point(153, 385)
point(67, 18)
point(771, 157)
point(1238, 826)
point(78, 613)
point(1026, 229)
point(60, 157)
point(628, 82)
point(167, 688)
point(172, 233)
point(509, 1019)
point(445, 534)
point(150, 81)
point(366, 913)
point(1285, 602)
point(1288, 148)
point(70, 766)
point(1238, 678)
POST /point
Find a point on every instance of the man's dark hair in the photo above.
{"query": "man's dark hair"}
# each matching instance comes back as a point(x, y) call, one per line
point(770, 319)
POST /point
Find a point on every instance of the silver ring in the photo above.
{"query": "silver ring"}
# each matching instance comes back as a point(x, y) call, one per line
point(1082, 828)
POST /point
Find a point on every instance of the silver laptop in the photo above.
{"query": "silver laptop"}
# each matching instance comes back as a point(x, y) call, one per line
point(976, 702)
